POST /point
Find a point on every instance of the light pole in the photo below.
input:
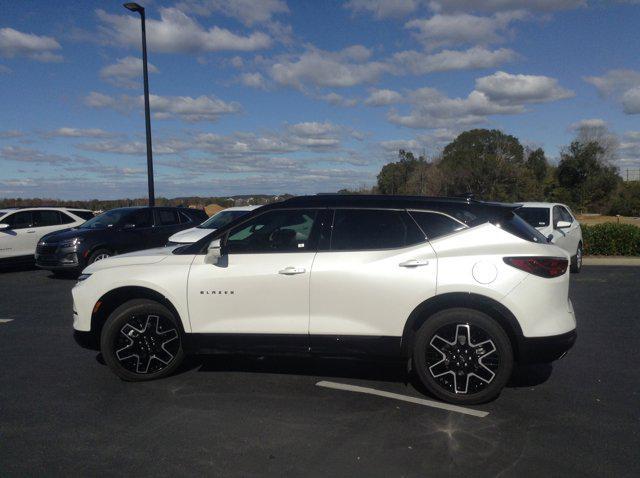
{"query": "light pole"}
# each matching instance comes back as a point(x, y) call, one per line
point(134, 7)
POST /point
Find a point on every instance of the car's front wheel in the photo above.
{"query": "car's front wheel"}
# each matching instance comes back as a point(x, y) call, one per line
point(141, 340)
point(463, 356)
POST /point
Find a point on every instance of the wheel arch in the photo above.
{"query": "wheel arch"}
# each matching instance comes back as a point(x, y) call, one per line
point(489, 306)
point(116, 297)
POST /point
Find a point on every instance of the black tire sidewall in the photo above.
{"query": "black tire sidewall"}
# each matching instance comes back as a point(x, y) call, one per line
point(471, 317)
point(116, 321)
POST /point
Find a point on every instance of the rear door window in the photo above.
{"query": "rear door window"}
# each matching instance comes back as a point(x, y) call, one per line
point(65, 218)
point(167, 217)
point(86, 215)
point(436, 225)
point(368, 229)
point(141, 218)
point(45, 217)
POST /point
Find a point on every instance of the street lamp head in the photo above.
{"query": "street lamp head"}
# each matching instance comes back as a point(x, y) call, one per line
point(134, 7)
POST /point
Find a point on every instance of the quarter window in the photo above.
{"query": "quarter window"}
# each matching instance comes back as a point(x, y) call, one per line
point(274, 231)
point(435, 225)
point(65, 218)
point(367, 229)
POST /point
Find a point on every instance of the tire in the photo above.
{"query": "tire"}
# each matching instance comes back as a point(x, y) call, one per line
point(98, 255)
point(142, 340)
point(576, 261)
point(483, 376)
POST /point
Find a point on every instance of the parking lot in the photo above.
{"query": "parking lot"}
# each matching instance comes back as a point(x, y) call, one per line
point(62, 412)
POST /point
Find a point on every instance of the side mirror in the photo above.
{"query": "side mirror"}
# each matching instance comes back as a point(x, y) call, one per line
point(4, 226)
point(214, 252)
point(563, 225)
point(550, 238)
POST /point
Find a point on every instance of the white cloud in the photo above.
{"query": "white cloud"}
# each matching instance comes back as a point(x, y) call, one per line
point(631, 101)
point(622, 85)
point(498, 94)
point(383, 8)
point(11, 133)
point(190, 109)
point(383, 97)
point(136, 148)
point(176, 32)
point(29, 155)
point(338, 100)
point(477, 57)
point(588, 123)
point(629, 151)
point(126, 72)
point(253, 80)
point(67, 132)
point(462, 28)
point(503, 5)
point(504, 87)
point(249, 12)
point(40, 48)
point(348, 67)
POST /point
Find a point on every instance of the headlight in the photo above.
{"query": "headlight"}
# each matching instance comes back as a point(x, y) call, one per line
point(82, 277)
point(71, 242)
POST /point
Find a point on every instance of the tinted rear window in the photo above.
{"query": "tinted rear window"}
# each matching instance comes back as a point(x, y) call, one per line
point(536, 216)
point(517, 226)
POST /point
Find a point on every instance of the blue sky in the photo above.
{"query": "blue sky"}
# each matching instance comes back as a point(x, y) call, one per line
point(275, 96)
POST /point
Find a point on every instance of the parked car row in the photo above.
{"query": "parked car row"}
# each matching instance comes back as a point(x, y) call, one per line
point(462, 289)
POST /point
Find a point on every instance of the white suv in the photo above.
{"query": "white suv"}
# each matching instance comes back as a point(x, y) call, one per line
point(461, 288)
point(556, 222)
point(21, 229)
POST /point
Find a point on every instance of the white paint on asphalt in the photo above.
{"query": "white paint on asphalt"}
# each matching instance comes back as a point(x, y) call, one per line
point(404, 398)
point(5, 321)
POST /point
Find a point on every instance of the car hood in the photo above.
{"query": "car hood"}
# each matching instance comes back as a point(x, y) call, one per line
point(66, 234)
point(190, 235)
point(148, 256)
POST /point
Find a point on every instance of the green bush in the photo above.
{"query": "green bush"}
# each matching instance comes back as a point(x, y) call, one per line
point(611, 239)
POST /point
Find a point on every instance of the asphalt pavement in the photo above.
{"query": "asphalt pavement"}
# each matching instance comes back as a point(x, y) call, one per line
point(63, 413)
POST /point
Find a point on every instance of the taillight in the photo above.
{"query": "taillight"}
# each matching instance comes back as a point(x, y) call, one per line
point(540, 266)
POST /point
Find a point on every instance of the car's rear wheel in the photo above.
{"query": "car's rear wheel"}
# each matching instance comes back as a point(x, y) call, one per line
point(576, 261)
point(98, 255)
point(141, 340)
point(463, 356)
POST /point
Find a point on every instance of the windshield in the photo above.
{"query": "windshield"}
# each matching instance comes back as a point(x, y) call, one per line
point(107, 219)
point(221, 219)
point(536, 216)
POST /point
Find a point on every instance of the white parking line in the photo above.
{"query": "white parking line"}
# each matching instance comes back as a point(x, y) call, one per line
point(4, 321)
point(404, 398)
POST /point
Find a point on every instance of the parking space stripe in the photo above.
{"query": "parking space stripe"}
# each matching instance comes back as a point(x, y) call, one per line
point(404, 398)
point(5, 321)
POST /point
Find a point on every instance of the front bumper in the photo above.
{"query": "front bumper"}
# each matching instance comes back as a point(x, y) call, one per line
point(545, 349)
point(60, 259)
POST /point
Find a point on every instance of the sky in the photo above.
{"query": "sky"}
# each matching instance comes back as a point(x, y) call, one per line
point(284, 96)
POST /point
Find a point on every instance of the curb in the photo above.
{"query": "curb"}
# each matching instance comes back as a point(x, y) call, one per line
point(611, 261)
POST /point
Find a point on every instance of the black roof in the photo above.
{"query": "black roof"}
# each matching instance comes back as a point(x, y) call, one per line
point(468, 210)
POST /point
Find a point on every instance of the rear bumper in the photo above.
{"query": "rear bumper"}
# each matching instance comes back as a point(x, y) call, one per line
point(545, 349)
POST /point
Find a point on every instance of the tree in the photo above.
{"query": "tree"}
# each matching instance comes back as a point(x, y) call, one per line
point(537, 164)
point(590, 181)
point(627, 201)
point(488, 164)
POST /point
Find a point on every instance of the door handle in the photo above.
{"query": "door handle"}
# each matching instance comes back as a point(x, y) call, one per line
point(414, 263)
point(30, 232)
point(289, 271)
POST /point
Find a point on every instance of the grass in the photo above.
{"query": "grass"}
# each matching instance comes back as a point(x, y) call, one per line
point(592, 220)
